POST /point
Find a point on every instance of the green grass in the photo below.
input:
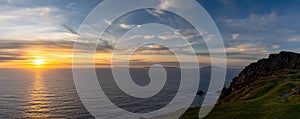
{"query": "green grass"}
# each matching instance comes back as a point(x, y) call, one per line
point(260, 99)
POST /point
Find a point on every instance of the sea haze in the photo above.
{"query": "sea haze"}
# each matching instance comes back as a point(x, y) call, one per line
point(51, 93)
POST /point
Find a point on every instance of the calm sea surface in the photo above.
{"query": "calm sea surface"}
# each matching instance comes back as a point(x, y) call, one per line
point(50, 93)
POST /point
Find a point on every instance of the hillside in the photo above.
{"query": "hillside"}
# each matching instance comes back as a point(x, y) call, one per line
point(263, 98)
point(260, 69)
point(262, 90)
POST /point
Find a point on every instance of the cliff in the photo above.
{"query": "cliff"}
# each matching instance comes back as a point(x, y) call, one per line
point(266, 89)
point(259, 69)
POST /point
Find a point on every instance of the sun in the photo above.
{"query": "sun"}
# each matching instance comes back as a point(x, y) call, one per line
point(38, 62)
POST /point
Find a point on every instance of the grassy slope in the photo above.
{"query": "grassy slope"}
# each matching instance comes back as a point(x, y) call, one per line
point(260, 99)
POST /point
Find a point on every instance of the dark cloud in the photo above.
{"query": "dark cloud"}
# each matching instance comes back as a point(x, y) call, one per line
point(4, 59)
point(153, 49)
point(8, 56)
point(71, 30)
point(104, 46)
point(13, 49)
point(19, 44)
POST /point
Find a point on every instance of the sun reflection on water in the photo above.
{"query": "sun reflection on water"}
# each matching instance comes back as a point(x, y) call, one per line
point(38, 98)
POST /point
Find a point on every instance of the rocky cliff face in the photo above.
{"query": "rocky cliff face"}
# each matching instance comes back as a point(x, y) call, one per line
point(261, 68)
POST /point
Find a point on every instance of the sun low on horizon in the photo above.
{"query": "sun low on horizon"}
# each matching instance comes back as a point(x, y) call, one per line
point(39, 62)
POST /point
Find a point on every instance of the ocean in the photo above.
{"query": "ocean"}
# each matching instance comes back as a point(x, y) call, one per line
point(51, 93)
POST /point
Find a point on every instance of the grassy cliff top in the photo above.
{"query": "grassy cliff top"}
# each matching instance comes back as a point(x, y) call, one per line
point(262, 98)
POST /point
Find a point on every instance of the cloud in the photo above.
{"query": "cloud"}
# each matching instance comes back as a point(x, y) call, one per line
point(264, 31)
point(166, 4)
point(149, 36)
point(276, 46)
point(22, 23)
point(104, 46)
point(257, 49)
point(242, 54)
point(235, 36)
point(135, 37)
point(155, 12)
point(18, 49)
point(254, 20)
point(11, 2)
point(254, 27)
point(107, 22)
point(295, 38)
point(188, 34)
point(156, 47)
point(168, 37)
point(126, 26)
point(5, 59)
point(21, 44)
point(71, 30)
point(153, 49)
point(71, 5)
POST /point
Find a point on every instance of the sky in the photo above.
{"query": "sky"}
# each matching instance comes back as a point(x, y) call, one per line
point(44, 31)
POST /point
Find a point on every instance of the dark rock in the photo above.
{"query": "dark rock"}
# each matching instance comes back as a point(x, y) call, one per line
point(200, 92)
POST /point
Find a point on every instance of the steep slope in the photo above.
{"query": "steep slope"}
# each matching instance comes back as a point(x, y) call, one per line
point(262, 68)
point(263, 98)
point(262, 90)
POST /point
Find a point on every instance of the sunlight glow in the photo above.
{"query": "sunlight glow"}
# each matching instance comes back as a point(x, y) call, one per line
point(39, 62)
